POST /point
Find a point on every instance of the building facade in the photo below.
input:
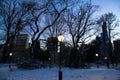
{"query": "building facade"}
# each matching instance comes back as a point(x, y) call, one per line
point(104, 41)
point(116, 50)
point(52, 47)
point(21, 47)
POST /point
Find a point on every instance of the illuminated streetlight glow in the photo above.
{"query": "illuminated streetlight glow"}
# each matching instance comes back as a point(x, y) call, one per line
point(96, 55)
point(105, 57)
point(49, 59)
point(60, 38)
point(8, 45)
point(10, 54)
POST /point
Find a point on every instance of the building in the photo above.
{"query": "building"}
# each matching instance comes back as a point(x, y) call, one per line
point(1, 50)
point(52, 44)
point(116, 49)
point(104, 41)
point(21, 48)
point(52, 47)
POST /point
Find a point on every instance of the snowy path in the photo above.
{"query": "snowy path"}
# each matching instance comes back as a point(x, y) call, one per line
point(52, 74)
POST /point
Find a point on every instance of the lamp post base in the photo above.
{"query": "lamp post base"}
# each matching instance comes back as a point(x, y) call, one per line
point(60, 75)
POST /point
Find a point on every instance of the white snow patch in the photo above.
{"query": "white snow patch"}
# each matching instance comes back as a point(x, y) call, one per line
point(52, 74)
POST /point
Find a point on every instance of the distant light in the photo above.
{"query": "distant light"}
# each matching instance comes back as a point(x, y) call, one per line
point(105, 57)
point(49, 59)
point(96, 54)
point(8, 44)
point(10, 54)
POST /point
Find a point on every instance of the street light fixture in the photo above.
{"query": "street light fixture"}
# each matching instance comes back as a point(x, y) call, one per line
point(107, 62)
point(105, 58)
point(60, 39)
point(10, 54)
point(96, 54)
point(10, 61)
point(97, 59)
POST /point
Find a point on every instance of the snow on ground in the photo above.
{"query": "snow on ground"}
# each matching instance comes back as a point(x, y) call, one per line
point(52, 74)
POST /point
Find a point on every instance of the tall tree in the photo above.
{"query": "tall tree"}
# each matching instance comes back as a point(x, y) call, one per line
point(111, 23)
point(40, 16)
point(58, 28)
point(79, 22)
point(14, 17)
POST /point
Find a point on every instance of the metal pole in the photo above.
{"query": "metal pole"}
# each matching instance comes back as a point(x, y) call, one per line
point(60, 67)
point(10, 65)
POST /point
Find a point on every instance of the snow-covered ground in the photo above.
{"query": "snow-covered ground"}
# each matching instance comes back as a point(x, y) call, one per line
point(94, 73)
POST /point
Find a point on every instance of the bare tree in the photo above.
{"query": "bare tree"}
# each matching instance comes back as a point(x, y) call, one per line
point(58, 28)
point(80, 22)
point(14, 17)
point(111, 23)
point(40, 15)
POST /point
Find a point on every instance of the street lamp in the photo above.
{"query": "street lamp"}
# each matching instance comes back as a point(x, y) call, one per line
point(107, 62)
point(105, 58)
point(10, 60)
point(49, 62)
point(60, 39)
point(97, 59)
point(10, 54)
point(96, 54)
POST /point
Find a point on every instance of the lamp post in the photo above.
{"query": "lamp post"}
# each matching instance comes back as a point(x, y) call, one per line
point(97, 59)
point(49, 62)
point(60, 39)
point(107, 62)
point(10, 60)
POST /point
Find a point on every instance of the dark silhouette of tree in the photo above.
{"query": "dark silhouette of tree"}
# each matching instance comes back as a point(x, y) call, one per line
point(58, 27)
point(53, 31)
point(79, 23)
point(14, 17)
point(74, 59)
point(111, 23)
point(94, 47)
point(40, 14)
